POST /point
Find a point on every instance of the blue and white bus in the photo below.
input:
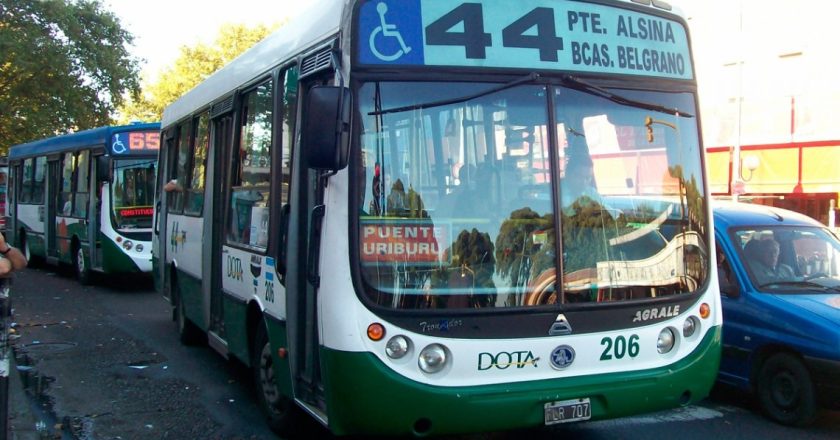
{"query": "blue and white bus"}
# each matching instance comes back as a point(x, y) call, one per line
point(86, 199)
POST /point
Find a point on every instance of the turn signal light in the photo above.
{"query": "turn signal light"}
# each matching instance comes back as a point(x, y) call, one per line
point(705, 310)
point(376, 331)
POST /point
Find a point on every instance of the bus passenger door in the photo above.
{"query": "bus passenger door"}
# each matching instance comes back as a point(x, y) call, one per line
point(303, 243)
point(95, 209)
point(12, 184)
point(220, 146)
point(166, 162)
point(51, 192)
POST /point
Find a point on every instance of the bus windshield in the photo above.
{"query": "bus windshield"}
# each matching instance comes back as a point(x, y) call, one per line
point(132, 193)
point(461, 199)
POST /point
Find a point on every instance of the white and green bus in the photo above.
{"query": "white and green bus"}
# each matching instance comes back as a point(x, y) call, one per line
point(371, 207)
point(85, 199)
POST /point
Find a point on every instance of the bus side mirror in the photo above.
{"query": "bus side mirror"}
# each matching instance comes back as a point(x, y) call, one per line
point(326, 127)
point(103, 168)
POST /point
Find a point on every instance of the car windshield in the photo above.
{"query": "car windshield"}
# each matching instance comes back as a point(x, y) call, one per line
point(460, 200)
point(132, 192)
point(790, 258)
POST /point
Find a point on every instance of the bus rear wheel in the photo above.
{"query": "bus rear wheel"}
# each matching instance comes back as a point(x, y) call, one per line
point(279, 409)
point(188, 333)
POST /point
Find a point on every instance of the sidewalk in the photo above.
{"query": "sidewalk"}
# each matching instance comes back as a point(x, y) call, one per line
point(21, 418)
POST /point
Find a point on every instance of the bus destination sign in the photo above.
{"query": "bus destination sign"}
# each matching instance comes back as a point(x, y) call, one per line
point(396, 241)
point(135, 142)
point(536, 34)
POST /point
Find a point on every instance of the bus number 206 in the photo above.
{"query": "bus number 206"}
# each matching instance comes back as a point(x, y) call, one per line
point(619, 347)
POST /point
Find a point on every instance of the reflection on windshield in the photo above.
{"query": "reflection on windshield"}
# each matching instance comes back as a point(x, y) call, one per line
point(460, 203)
point(785, 258)
point(132, 192)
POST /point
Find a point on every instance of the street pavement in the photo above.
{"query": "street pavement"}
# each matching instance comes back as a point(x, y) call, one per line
point(23, 424)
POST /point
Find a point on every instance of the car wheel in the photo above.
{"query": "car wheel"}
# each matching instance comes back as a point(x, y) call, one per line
point(785, 390)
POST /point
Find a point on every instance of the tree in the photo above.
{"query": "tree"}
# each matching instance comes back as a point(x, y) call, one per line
point(64, 66)
point(192, 66)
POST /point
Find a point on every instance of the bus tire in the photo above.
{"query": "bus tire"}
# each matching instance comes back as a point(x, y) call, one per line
point(280, 411)
point(23, 244)
point(785, 391)
point(80, 266)
point(188, 333)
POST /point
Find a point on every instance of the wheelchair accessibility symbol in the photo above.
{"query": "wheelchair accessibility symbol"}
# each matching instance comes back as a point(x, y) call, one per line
point(118, 147)
point(385, 30)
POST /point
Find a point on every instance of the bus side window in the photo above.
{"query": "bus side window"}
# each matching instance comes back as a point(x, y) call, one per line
point(182, 158)
point(194, 204)
point(40, 180)
point(82, 184)
point(248, 218)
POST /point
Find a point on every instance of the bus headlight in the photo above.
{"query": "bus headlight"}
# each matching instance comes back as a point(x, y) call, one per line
point(432, 358)
point(139, 247)
point(127, 245)
point(666, 340)
point(397, 347)
point(690, 326)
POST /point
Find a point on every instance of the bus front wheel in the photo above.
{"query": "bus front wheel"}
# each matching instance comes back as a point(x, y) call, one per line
point(279, 409)
point(82, 269)
point(24, 245)
point(26, 252)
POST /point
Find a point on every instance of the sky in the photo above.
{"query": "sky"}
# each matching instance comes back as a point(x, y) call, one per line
point(162, 27)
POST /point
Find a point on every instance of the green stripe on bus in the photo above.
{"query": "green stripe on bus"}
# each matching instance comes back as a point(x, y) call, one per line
point(282, 369)
point(235, 315)
point(114, 259)
point(363, 395)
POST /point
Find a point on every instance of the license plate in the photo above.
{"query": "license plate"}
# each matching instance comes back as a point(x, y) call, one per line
point(566, 411)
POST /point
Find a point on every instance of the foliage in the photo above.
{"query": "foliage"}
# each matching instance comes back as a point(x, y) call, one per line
point(63, 66)
point(192, 66)
point(517, 251)
point(471, 270)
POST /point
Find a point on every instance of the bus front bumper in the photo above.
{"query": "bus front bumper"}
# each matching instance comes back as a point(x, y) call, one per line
point(364, 396)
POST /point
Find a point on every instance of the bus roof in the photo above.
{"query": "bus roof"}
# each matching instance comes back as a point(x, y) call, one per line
point(321, 20)
point(313, 26)
point(73, 141)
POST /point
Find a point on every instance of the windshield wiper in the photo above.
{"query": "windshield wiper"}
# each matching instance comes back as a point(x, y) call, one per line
point(579, 84)
point(531, 77)
point(804, 284)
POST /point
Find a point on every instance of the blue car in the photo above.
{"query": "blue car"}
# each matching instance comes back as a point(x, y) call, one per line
point(779, 274)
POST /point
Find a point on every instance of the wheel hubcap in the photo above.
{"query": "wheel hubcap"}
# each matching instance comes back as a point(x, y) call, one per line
point(80, 261)
point(785, 391)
